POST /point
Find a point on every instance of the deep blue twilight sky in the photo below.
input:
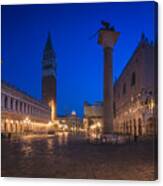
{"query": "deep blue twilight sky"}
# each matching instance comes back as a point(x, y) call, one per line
point(79, 60)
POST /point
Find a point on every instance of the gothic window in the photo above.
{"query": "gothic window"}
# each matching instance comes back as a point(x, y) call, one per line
point(133, 79)
point(114, 109)
point(124, 88)
point(150, 92)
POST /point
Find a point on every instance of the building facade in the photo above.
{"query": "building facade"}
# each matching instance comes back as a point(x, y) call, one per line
point(70, 122)
point(134, 93)
point(93, 113)
point(74, 122)
point(20, 113)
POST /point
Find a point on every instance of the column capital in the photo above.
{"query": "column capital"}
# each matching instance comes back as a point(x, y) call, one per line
point(107, 38)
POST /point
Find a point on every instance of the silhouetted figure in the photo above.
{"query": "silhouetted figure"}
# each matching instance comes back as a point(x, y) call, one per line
point(107, 26)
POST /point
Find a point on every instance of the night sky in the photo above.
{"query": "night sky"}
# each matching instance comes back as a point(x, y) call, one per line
point(79, 60)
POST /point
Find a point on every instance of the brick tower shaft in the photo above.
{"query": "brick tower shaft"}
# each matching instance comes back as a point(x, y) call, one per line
point(49, 77)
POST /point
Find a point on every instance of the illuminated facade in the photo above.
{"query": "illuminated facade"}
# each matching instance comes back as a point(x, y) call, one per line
point(70, 122)
point(49, 77)
point(21, 113)
point(135, 111)
point(74, 122)
point(92, 114)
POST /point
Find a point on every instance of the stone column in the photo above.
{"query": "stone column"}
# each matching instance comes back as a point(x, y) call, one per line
point(107, 39)
point(108, 90)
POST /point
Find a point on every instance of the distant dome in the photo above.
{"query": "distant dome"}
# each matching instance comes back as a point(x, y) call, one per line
point(73, 113)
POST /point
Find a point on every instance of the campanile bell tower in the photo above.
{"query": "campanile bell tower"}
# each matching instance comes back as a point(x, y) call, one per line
point(49, 77)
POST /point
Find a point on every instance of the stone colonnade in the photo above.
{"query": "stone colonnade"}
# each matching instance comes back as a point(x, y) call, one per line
point(136, 126)
point(23, 127)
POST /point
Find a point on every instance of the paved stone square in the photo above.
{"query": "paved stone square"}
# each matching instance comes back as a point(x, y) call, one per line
point(73, 157)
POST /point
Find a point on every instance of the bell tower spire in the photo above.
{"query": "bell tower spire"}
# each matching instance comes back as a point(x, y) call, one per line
point(49, 76)
point(48, 62)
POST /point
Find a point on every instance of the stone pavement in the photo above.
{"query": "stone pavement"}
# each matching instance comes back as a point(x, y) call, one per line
point(52, 157)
